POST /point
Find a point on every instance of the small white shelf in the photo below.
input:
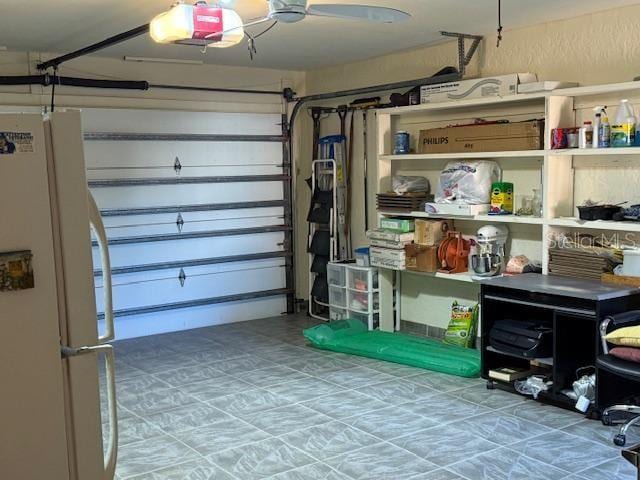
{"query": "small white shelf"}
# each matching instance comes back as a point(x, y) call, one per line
point(595, 225)
point(586, 152)
point(475, 218)
point(466, 155)
point(469, 103)
point(456, 277)
point(597, 89)
point(567, 152)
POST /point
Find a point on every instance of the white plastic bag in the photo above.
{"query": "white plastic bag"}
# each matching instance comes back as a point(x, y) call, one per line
point(468, 182)
point(404, 184)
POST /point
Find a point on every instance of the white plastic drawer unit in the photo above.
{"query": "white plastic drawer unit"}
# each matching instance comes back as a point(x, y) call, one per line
point(179, 195)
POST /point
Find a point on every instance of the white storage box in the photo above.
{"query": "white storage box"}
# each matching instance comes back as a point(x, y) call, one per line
point(456, 209)
point(388, 258)
point(499, 86)
point(386, 236)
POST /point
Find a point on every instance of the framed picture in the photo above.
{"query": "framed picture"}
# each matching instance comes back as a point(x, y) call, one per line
point(16, 271)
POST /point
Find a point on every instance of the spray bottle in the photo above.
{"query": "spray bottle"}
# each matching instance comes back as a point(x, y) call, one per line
point(600, 138)
point(597, 124)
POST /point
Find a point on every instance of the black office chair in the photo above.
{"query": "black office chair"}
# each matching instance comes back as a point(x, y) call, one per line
point(618, 380)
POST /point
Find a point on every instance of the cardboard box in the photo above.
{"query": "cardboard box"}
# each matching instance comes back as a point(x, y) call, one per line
point(413, 257)
point(498, 86)
point(421, 258)
point(399, 225)
point(388, 258)
point(431, 232)
point(389, 236)
point(493, 137)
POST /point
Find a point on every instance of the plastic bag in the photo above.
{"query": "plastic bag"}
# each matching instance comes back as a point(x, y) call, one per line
point(468, 182)
point(462, 326)
point(404, 184)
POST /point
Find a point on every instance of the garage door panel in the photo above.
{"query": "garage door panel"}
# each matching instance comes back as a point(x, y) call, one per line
point(198, 317)
point(144, 294)
point(204, 226)
point(164, 195)
point(156, 121)
point(149, 275)
point(207, 217)
point(169, 172)
point(140, 154)
point(192, 249)
point(189, 217)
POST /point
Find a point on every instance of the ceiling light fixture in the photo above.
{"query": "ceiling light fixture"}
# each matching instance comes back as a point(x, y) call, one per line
point(127, 58)
point(199, 24)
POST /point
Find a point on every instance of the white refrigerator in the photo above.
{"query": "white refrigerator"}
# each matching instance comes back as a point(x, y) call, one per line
point(52, 356)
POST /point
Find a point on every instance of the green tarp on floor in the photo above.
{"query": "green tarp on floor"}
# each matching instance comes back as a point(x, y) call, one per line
point(351, 336)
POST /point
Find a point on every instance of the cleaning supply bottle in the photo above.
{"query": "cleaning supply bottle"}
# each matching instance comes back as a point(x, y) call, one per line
point(604, 133)
point(586, 135)
point(597, 121)
point(624, 129)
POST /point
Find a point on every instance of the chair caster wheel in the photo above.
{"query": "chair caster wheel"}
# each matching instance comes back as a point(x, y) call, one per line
point(491, 385)
point(620, 440)
point(606, 420)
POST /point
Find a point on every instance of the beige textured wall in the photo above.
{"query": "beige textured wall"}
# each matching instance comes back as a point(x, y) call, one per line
point(590, 49)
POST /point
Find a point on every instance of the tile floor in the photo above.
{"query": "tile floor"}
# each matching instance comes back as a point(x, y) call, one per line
point(252, 401)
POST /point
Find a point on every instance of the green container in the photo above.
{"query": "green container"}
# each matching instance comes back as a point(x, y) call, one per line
point(398, 225)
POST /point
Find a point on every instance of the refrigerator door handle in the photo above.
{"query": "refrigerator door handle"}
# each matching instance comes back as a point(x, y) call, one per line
point(111, 455)
point(103, 244)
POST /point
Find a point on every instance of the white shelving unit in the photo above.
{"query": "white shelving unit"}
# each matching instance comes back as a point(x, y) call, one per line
point(353, 293)
point(567, 177)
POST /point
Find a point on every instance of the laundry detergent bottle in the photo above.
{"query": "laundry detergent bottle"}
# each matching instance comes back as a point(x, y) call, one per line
point(623, 130)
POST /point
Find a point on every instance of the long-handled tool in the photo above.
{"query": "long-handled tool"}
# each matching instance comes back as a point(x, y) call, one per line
point(365, 104)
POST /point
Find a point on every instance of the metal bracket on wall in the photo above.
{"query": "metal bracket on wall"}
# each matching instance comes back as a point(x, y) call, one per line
point(177, 166)
point(464, 57)
point(179, 223)
point(182, 277)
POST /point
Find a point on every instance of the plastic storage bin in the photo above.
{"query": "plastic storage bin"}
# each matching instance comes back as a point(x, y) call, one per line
point(372, 321)
point(336, 314)
point(363, 302)
point(353, 293)
point(336, 274)
point(363, 278)
point(337, 297)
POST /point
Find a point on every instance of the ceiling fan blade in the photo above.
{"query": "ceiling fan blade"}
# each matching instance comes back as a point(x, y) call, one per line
point(359, 12)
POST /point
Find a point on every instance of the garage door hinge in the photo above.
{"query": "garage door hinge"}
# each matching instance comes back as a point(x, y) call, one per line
point(177, 166)
point(179, 222)
point(182, 277)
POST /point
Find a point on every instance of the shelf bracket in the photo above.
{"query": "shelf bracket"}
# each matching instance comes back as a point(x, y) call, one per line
point(464, 57)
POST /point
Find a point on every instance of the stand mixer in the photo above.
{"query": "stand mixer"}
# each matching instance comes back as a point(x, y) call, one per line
point(489, 259)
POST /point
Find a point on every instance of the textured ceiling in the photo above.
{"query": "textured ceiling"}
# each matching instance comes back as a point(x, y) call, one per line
point(64, 25)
